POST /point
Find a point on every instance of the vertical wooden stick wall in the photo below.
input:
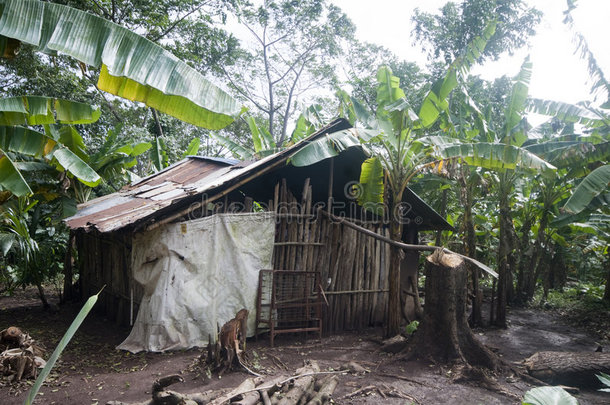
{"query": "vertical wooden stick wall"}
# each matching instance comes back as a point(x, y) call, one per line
point(353, 266)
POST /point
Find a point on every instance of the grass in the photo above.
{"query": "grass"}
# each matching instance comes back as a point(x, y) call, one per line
point(582, 305)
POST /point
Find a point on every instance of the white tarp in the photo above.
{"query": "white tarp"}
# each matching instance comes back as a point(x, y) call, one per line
point(197, 275)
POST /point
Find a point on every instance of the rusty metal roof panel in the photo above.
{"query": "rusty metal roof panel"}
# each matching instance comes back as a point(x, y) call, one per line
point(141, 199)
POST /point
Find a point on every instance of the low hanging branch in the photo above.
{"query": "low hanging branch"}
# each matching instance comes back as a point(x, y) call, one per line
point(406, 246)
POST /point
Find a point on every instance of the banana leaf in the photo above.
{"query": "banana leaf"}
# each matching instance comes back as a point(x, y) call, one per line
point(193, 148)
point(132, 67)
point(494, 156)
point(514, 128)
point(326, 147)
point(22, 140)
point(548, 396)
point(11, 178)
point(236, 149)
point(33, 143)
point(158, 155)
point(590, 187)
point(587, 116)
point(370, 191)
point(436, 99)
point(76, 166)
point(40, 110)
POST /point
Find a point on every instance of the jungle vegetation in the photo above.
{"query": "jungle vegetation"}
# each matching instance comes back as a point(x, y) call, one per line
point(77, 122)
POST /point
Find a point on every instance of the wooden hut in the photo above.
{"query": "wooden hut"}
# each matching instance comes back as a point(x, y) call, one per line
point(351, 267)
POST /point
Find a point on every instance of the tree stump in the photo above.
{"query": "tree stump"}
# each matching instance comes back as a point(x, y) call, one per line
point(444, 334)
point(228, 350)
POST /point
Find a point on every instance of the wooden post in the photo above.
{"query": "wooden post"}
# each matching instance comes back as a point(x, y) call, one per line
point(68, 290)
point(331, 175)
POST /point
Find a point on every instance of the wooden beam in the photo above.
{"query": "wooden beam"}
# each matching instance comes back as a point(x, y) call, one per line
point(405, 246)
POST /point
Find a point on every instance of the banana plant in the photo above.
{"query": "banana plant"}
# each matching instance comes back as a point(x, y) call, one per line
point(263, 144)
point(159, 157)
point(501, 150)
point(113, 161)
point(57, 146)
point(586, 156)
point(594, 120)
point(131, 66)
point(392, 132)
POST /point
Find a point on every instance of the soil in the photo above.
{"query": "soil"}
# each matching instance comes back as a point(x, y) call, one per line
point(91, 371)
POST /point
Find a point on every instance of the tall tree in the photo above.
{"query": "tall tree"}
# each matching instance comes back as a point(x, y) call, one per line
point(448, 33)
point(293, 46)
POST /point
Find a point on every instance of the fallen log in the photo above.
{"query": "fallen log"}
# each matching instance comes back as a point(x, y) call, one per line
point(325, 393)
point(569, 368)
point(298, 389)
point(303, 387)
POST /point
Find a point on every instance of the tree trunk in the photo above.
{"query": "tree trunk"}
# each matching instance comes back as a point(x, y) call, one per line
point(536, 263)
point(503, 252)
point(443, 213)
point(445, 335)
point(607, 290)
point(394, 306)
point(524, 260)
point(570, 368)
point(42, 295)
point(470, 250)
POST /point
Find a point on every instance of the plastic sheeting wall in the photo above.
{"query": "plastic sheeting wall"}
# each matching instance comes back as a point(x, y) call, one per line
point(195, 275)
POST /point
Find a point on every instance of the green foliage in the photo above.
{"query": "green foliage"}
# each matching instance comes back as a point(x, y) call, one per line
point(60, 348)
point(548, 396)
point(151, 75)
point(411, 327)
point(60, 146)
point(193, 148)
point(589, 188)
point(370, 194)
point(585, 296)
point(295, 45)
point(33, 241)
point(158, 155)
point(605, 380)
point(449, 32)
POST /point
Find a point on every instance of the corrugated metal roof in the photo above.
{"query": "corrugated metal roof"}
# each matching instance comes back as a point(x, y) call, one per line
point(141, 199)
point(190, 177)
point(193, 177)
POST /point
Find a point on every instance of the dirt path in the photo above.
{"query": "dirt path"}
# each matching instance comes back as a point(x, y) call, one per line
point(91, 371)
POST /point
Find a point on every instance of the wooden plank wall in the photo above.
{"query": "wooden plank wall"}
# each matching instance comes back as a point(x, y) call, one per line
point(353, 266)
point(105, 260)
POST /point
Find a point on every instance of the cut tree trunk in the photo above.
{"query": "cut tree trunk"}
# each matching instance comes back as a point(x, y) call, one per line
point(445, 335)
point(569, 368)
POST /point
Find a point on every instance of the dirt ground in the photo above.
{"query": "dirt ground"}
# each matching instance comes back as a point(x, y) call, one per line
point(91, 371)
